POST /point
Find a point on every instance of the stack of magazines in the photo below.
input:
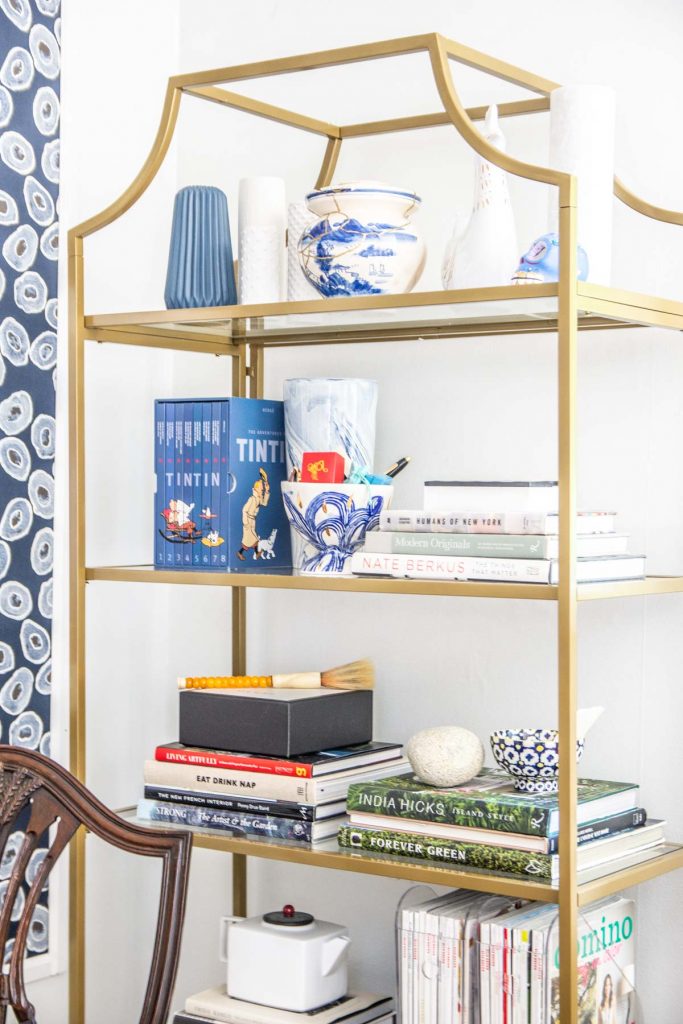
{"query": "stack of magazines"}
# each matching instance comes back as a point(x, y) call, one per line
point(300, 799)
point(470, 958)
point(488, 824)
point(493, 531)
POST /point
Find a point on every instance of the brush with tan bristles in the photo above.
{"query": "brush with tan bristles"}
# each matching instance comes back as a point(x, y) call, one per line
point(357, 675)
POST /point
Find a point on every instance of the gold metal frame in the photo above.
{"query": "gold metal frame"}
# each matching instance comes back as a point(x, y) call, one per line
point(206, 330)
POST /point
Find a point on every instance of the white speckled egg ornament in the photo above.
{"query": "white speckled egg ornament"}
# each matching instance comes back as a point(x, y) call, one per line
point(445, 756)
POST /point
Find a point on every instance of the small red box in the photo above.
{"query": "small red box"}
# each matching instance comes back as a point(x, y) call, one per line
point(322, 468)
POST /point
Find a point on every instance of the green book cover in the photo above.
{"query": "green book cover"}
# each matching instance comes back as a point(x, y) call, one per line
point(489, 801)
point(448, 852)
point(491, 545)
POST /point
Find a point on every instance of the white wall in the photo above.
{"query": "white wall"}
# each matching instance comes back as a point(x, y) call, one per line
point(477, 408)
point(114, 78)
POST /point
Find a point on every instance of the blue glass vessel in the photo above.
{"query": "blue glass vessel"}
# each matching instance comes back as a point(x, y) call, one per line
point(200, 270)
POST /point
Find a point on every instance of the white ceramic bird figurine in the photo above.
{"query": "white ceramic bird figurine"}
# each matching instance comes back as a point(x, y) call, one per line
point(483, 250)
point(586, 719)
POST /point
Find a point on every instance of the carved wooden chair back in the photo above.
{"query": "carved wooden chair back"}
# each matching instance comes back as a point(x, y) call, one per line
point(51, 798)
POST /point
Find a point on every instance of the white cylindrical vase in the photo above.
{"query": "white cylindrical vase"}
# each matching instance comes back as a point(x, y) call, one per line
point(262, 234)
point(299, 288)
point(582, 125)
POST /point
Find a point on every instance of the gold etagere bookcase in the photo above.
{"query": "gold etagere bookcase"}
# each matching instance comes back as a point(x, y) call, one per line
point(245, 333)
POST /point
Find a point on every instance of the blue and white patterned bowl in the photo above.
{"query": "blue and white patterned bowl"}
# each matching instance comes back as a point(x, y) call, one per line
point(364, 242)
point(531, 757)
point(329, 522)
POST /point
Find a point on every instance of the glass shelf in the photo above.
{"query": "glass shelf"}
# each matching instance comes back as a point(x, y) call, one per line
point(382, 585)
point(375, 318)
point(640, 867)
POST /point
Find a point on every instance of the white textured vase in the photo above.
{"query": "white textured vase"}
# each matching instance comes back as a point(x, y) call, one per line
point(582, 129)
point(262, 233)
point(484, 252)
point(299, 288)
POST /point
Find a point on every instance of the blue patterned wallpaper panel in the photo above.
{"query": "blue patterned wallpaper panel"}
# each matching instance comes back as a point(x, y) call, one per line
point(29, 190)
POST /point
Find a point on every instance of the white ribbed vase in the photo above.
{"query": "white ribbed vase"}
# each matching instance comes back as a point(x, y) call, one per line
point(262, 232)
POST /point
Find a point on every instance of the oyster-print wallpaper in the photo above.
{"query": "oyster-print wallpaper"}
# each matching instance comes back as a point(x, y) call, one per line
point(29, 190)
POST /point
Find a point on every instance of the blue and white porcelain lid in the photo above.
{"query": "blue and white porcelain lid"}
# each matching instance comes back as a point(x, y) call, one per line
point(364, 186)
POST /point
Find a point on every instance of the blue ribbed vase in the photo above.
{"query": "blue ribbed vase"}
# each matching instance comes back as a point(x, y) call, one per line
point(200, 270)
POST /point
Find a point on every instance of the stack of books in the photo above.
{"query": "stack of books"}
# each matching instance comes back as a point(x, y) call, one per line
point(488, 824)
point(214, 1004)
point(460, 535)
point(300, 799)
point(467, 957)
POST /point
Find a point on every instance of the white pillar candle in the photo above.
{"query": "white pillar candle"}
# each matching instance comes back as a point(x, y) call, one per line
point(299, 288)
point(262, 230)
point(582, 120)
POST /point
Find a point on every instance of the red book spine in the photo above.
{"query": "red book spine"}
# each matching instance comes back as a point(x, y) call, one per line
point(234, 762)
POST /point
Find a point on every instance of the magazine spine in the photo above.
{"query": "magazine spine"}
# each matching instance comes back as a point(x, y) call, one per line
point(485, 972)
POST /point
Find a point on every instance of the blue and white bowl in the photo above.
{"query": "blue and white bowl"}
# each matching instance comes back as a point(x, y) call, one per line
point(531, 757)
point(364, 242)
point(329, 522)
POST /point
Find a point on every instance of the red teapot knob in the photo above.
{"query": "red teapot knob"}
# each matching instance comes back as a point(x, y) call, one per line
point(288, 910)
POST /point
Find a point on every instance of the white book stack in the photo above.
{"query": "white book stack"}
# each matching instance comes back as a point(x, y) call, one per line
point(493, 532)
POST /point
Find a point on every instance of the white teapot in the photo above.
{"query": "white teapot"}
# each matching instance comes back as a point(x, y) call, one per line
point(285, 959)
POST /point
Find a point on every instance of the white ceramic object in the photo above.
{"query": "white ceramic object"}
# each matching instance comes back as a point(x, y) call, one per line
point(483, 251)
point(285, 959)
point(582, 131)
point(445, 756)
point(586, 719)
point(329, 523)
point(364, 241)
point(262, 227)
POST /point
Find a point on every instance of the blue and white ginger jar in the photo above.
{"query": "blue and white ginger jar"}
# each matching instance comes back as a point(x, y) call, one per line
point(364, 242)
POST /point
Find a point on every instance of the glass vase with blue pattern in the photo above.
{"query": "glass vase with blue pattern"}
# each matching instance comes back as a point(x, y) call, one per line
point(200, 269)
